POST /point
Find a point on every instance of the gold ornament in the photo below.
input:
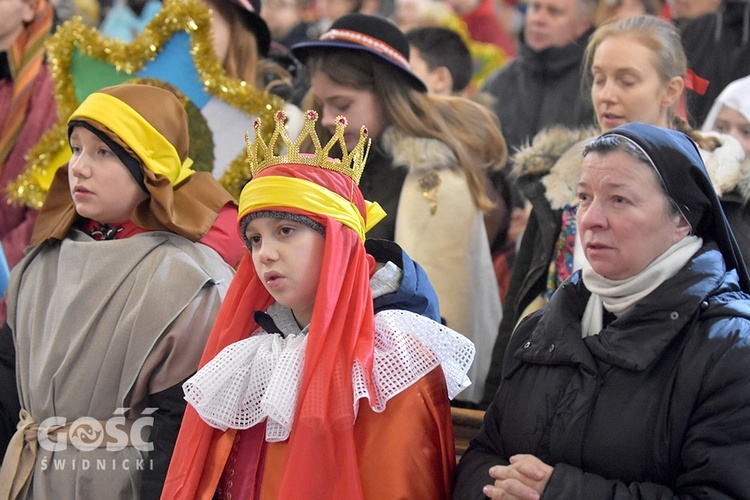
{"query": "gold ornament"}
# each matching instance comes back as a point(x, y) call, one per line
point(189, 16)
point(261, 154)
point(430, 183)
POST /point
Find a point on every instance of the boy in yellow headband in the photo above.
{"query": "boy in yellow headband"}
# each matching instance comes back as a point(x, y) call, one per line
point(111, 307)
point(326, 374)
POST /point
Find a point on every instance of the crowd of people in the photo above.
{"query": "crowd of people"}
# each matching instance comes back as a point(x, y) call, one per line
point(560, 246)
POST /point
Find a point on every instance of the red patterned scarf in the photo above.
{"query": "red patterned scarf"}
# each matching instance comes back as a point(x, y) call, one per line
point(25, 59)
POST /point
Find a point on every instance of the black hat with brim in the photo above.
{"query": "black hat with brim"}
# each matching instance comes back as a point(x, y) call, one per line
point(367, 33)
point(250, 12)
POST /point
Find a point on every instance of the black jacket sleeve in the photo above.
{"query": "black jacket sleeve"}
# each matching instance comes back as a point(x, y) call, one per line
point(473, 471)
point(170, 404)
point(9, 403)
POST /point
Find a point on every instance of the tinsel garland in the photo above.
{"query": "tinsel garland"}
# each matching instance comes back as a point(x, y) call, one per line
point(190, 16)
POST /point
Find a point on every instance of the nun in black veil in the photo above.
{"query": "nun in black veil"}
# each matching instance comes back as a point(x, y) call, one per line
point(635, 381)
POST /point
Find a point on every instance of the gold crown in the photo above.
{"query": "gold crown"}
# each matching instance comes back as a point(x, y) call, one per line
point(261, 155)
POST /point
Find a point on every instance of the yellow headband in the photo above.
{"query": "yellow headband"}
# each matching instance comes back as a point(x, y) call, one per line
point(153, 149)
point(265, 192)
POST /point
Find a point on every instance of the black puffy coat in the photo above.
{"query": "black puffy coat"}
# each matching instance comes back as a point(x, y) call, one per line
point(657, 405)
point(717, 46)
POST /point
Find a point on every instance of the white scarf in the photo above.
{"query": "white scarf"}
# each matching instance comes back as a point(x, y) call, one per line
point(617, 296)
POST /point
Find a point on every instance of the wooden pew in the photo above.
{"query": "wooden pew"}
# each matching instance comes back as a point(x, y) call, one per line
point(466, 424)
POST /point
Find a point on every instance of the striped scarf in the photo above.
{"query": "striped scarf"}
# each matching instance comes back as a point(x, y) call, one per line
point(25, 59)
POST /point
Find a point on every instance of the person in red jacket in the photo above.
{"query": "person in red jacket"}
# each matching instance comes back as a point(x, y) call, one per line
point(483, 21)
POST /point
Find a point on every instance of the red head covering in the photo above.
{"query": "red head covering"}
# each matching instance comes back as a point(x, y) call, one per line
point(322, 459)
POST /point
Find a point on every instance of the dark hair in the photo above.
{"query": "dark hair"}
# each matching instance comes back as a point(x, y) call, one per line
point(611, 143)
point(440, 46)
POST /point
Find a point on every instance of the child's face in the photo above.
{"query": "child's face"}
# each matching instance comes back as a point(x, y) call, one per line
point(288, 257)
point(438, 80)
point(101, 186)
point(361, 107)
point(733, 123)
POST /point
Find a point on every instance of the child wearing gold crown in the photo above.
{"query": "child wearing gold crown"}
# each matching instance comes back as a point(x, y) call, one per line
point(111, 307)
point(326, 374)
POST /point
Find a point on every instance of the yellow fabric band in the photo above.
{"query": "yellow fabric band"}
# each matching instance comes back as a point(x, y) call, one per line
point(273, 191)
point(154, 150)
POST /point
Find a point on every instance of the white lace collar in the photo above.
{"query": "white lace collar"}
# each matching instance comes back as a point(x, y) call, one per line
point(258, 378)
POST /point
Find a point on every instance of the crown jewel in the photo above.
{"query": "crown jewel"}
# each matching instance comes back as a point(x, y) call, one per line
point(261, 155)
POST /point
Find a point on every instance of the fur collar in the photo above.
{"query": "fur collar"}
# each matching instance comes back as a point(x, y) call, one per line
point(538, 157)
point(554, 157)
point(726, 163)
point(419, 154)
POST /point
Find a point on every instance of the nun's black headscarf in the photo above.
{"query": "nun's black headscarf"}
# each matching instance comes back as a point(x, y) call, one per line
point(677, 160)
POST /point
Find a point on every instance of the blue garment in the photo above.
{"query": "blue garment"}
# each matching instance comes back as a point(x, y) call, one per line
point(4, 271)
point(121, 22)
point(416, 293)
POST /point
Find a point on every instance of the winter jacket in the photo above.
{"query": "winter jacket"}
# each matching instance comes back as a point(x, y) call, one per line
point(382, 181)
point(529, 275)
point(484, 26)
point(547, 172)
point(725, 32)
point(540, 89)
point(432, 215)
point(657, 405)
point(736, 209)
point(415, 293)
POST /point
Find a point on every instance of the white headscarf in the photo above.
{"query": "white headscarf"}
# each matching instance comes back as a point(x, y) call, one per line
point(736, 96)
